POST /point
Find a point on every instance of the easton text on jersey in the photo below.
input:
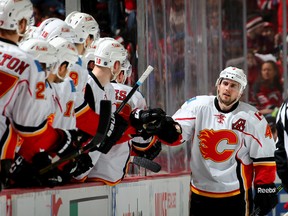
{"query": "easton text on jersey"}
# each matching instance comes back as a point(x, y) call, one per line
point(13, 63)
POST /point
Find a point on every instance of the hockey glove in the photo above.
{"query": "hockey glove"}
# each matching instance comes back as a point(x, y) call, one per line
point(265, 198)
point(117, 127)
point(151, 153)
point(82, 164)
point(67, 142)
point(22, 174)
point(168, 130)
point(51, 178)
point(150, 119)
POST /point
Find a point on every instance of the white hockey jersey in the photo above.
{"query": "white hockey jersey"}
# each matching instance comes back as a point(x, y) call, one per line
point(23, 88)
point(136, 101)
point(227, 148)
point(108, 168)
point(79, 75)
point(65, 98)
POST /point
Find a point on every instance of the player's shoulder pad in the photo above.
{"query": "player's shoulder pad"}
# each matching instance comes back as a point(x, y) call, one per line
point(250, 113)
point(201, 100)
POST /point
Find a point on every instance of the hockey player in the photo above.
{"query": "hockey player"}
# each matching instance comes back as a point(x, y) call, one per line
point(109, 55)
point(151, 147)
point(77, 31)
point(23, 94)
point(232, 150)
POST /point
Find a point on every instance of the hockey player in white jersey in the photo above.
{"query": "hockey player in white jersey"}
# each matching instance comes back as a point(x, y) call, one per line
point(232, 151)
point(109, 55)
point(23, 94)
point(150, 147)
point(77, 31)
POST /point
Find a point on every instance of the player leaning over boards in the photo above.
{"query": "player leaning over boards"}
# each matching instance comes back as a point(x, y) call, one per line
point(109, 165)
point(232, 151)
point(151, 147)
point(23, 94)
point(24, 97)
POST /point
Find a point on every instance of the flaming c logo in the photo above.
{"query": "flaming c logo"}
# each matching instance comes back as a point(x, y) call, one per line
point(209, 141)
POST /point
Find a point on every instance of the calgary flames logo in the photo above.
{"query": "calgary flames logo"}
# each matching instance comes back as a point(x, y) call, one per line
point(209, 143)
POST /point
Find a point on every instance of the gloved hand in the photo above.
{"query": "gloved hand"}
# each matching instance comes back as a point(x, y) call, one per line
point(22, 174)
point(168, 130)
point(151, 153)
point(68, 141)
point(82, 164)
point(265, 198)
point(51, 178)
point(146, 122)
point(117, 127)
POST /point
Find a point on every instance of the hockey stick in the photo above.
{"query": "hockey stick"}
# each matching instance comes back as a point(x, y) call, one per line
point(140, 161)
point(104, 122)
point(135, 87)
point(257, 210)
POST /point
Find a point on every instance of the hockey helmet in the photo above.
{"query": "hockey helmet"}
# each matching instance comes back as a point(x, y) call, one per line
point(11, 12)
point(235, 74)
point(42, 51)
point(108, 51)
point(66, 50)
point(83, 24)
point(52, 27)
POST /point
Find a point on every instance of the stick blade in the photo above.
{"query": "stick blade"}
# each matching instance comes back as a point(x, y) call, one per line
point(146, 163)
point(104, 122)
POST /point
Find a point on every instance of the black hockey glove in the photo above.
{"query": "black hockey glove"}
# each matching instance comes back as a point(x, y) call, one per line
point(118, 126)
point(150, 153)
point(146, 122)
point(81, 165)
point(265, 198)
point(22, 173)
point(51, 178)
point(167, 130)
point(67, 142)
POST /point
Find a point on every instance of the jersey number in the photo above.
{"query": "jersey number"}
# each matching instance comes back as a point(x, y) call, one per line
point(69, 108)
point(40, 88)
point(74, 76)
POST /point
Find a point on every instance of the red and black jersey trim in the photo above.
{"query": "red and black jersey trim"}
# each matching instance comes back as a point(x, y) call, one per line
point(30, 129)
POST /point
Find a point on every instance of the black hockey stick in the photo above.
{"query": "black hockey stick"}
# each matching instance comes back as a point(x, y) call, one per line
point(135, 87)
point(146, 163)
point(104, 122)
point(257, 210)
point(140, 161)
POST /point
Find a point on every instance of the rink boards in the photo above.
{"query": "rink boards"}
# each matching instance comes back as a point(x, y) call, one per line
point(150, 196)
point(138, 197)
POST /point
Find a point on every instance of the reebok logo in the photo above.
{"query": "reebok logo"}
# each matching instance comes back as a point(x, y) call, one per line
point(266, 190)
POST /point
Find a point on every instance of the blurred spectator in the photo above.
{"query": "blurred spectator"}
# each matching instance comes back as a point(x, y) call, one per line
point(267, 42)
point(44, 9)
point(114, 15)
point(280, 21)
point(254, 27)
point(268, 88)
point(254, 67)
